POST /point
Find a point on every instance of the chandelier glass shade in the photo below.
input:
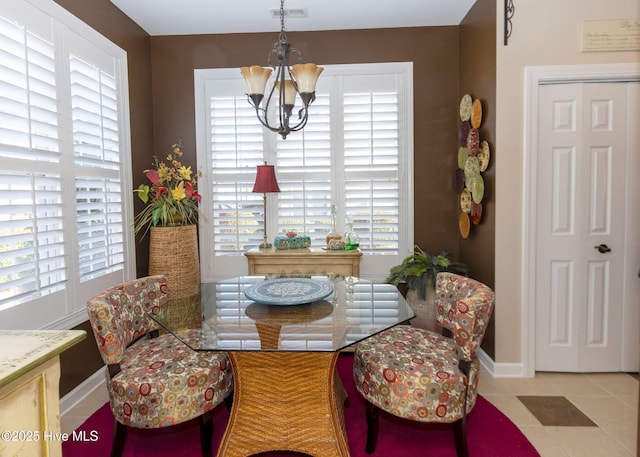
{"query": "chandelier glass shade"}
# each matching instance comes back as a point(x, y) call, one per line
point(297, 80)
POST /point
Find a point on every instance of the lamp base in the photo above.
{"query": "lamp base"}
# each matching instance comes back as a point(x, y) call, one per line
point(265, 245)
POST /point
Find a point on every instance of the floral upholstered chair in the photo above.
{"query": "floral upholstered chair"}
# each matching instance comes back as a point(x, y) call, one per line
point(422, 376)
point(154, 380)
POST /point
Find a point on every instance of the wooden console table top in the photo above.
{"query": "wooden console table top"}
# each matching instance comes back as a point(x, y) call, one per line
point(306, 261)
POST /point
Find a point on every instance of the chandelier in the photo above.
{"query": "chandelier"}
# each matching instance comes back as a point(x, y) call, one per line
point(298, 79)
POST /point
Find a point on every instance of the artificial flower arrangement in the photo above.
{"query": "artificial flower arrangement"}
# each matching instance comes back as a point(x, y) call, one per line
point(172, 198)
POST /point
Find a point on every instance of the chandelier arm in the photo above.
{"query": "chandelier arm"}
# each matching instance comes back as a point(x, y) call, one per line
point(291, 77)
point(262, 114)
point(303, 121)
point(283, 111)
point(263, 118)
point(293, 50)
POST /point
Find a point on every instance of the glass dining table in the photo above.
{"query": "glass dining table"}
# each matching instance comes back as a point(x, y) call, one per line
point(283, 351)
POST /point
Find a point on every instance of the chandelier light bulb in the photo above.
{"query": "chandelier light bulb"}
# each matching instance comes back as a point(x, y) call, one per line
point(289, 92)
point(306, 75)
point(256, 78)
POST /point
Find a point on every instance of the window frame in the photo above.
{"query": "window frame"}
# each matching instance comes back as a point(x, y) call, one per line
point(212, 268)
point(66, 308)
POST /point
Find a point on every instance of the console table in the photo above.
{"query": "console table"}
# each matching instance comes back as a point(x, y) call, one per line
point(29, 396)
point(303, 262)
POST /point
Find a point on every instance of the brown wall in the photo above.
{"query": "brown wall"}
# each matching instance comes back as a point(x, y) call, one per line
point(80, 361)
point(433, 51)
point(83, 359)
point(478, 78)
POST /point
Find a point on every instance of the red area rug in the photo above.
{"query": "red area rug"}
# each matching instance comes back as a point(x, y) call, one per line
point(489, 433)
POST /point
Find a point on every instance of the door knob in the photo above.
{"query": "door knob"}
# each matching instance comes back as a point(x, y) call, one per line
point(602, 248)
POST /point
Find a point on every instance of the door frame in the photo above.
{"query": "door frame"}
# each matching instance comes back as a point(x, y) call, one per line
point(534, 78)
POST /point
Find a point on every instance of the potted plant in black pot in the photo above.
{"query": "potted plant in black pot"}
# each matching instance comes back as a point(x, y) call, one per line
point(418, 272)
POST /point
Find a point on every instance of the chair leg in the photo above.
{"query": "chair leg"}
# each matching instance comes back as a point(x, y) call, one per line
point(460, 435)
point(119, 434)
point(206, 433)
point(372, 413)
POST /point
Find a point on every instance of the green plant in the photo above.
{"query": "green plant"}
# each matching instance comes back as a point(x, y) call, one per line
point(172, 198)
point(417, 269)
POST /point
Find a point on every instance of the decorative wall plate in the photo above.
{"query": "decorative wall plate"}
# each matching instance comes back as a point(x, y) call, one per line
point(465, 225)
point(471, 169)
point(476, 114)
point(464, 133)
point(465, 201)
point(484, 155)
point(465, 107)
point(473, 142)
point(288, 291)
point(463, 153)
point(476, 186)
point(476, 213)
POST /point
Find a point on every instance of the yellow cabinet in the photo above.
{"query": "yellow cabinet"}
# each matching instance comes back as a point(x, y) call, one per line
point(29, 395)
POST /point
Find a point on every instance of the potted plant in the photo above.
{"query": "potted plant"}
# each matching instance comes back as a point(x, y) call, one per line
point(419, 270)
point(171, 197)
point(170, 218)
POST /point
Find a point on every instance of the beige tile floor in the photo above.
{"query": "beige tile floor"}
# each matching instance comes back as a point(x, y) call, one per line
point(608, 399)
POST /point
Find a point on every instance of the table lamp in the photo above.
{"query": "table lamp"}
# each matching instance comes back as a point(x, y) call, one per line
point(265, 182)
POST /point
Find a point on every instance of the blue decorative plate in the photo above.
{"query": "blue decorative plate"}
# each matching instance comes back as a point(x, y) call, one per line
point(288, 291)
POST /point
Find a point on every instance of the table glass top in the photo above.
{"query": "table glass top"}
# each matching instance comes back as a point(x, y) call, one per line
point(223, 318)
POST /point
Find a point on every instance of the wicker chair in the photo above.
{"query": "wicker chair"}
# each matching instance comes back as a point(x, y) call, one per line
point(154, 380)
point(422, 376)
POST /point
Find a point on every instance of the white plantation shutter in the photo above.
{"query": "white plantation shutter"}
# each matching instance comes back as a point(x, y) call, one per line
point(63, 183)
point(355, 153)
point(304, 169)
point(94, 107)
point(371, 164)
point(100, 227)
point(31, 236)
point(31, 217)
point(28, 118)
point(236, 148)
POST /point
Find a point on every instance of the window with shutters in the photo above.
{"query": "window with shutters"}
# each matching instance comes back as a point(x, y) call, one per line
point(63, 165)
point(96, 141)
point(356, 152)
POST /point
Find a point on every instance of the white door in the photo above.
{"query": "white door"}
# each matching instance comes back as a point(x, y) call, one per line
point(582, 226)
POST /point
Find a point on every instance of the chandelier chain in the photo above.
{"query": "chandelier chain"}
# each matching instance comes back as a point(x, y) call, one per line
point(281, 16)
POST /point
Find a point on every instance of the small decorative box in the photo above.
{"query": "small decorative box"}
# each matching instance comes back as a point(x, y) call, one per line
point(292, 242)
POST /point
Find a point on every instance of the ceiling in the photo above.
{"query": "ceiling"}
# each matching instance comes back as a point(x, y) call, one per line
point(189, 17)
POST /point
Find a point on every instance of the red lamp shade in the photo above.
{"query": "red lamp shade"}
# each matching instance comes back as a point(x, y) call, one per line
point(266, 180)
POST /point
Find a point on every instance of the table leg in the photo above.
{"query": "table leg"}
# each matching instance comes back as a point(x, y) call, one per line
point(286, 401)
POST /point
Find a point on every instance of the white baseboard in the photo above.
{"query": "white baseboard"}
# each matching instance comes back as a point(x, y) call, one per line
point(85, 389)
point(501, 369)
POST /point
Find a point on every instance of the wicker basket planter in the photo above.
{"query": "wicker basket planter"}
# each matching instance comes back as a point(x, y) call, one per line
point(425, 309)
point(422, 307)
point(173, 252)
